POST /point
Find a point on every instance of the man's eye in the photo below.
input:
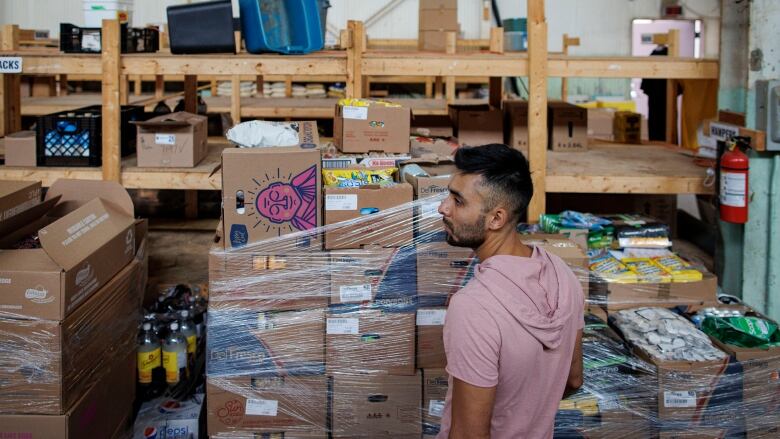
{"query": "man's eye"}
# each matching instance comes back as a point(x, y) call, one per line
point(458, 201)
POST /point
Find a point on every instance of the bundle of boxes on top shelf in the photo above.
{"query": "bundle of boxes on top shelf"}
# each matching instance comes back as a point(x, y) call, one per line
point(329, 284)
point(72, 275)
point(436, 19)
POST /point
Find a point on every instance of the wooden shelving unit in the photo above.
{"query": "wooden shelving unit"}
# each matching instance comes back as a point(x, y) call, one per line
point(604, 169)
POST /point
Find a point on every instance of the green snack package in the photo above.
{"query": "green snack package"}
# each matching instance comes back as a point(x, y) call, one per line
point(746, 332)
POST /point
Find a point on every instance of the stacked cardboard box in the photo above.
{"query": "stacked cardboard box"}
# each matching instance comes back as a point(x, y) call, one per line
point(69, 308)
point(437, 17)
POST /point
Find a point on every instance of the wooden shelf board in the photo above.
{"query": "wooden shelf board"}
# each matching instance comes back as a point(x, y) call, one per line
point(39, 106)
point(625, 169)
point(631, 67)
point(201, 176)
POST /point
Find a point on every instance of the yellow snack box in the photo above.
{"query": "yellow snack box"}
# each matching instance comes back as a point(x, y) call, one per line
point(612, 270)
point(680, 270)
point(357, 177)
point(647, 271)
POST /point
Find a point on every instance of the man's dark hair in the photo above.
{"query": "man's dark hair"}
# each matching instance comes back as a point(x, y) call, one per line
point(505, 173)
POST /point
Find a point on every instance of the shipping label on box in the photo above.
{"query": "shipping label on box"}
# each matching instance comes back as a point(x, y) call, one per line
point(266, 342)
point(271, 192)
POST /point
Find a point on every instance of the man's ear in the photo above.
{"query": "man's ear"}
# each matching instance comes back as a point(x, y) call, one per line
point(497, 218)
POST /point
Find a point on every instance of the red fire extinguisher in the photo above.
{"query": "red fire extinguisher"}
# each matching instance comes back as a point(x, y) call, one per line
point(734, 166)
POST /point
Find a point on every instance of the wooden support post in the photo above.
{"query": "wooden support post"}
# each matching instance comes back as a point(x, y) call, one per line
point(673, 43)
point(191, 204)
point(438, 88)
point(10, 86)
point(451, 46)
point(567, 42)
point(259, 85)
point(63, 85)
point(496, 83)
point(124, 89)
point(111, 118)
point(673, 46)
point(191, 94)
point(537, 106)
point(367, 86)
point(288, 84)
point(355, 51)
point(137, 86)
point(159, 86)
point(214, 87)
point(235, 99)
point(428, 87)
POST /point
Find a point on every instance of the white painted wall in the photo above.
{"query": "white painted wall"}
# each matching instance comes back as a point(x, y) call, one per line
point(604, 26)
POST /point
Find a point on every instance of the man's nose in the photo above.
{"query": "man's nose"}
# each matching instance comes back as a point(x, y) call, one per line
point(442, 208)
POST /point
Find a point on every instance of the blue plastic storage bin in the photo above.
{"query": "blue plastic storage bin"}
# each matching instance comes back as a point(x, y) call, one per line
point(283, 26)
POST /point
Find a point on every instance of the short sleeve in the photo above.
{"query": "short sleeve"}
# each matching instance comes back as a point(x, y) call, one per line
point(472, 342)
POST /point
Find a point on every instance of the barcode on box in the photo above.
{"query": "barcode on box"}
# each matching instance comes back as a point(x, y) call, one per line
point(334, 164)
point(262, 407)
point(431, 317)
point(342, 326)
point(436, 408)
point(684, 399)
point(360, 113)
point(341, 202)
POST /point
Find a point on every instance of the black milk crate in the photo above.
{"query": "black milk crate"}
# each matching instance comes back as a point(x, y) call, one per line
point(74, 138)
point(75, 39)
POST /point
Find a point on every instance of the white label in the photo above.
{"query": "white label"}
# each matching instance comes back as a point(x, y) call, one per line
point(91, 41)
point(360, 113)
point(732, 189)
point(436, 408)
point(165, 139)
point(341, 202)
point(721, 131)
point(431, 317)
point(10, 64)
point(262, 407)
point(680, 399)
point(355, 293)
point(342, 326)
point(430, 210)
point(609, 403)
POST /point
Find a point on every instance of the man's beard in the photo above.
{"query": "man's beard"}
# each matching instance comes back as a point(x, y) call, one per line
point(468, 235)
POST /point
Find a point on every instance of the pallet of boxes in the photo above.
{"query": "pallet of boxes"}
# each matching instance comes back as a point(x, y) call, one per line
point(329, 283)
point(72, 274)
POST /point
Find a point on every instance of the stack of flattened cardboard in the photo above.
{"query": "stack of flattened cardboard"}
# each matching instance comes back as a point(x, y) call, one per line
point(437, 17)
point(71, 281)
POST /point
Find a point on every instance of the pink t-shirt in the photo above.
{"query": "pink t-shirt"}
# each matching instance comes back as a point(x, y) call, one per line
point(514, 326)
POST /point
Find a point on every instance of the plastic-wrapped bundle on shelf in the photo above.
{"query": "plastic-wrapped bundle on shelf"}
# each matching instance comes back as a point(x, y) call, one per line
point(348, 342)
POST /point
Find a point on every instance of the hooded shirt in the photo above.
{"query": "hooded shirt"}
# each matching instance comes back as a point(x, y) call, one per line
point(514, 327)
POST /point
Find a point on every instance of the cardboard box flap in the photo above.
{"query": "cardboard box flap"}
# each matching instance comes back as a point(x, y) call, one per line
point(14, 223)
point(82, 191)
point(180, 119)
point(74, 237)
point(28, 260)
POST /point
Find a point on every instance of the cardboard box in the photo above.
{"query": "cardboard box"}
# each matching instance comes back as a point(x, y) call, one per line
point(99, 412)
point(373, 128)
point(16, 197)
point(381, 276)
point(435, 385)
point(293, 404)
point(244, 342)
point(442, 271)
point(432, 150)
point(55, 362)
point(516, 125)
point(476, 125)
point(600, 121)
point(266, 281)
point(369, 340)
point(86, 238)
point(271, 192)
point(438, 19)
point(616, 296)
point(430, 190)
point(391, 225)
point(432, 40)
point(20, 149)
point(567, 127)
point(438, 4)
point(376, 406)
point(176, 140)
point(170, 418)
point(627, 127)
point(430, 338)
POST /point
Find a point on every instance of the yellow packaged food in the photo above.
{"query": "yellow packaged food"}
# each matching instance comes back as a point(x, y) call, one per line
point(680, 270)
point(357, 102)
point(612, 270)
point(357, 177)
point(647, 271)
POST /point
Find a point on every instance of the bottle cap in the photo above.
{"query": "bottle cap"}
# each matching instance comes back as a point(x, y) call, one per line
point(147, 326)
point(185, 314)
point(175, 326)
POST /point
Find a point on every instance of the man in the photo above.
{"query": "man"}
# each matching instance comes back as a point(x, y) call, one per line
point(513, 334)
